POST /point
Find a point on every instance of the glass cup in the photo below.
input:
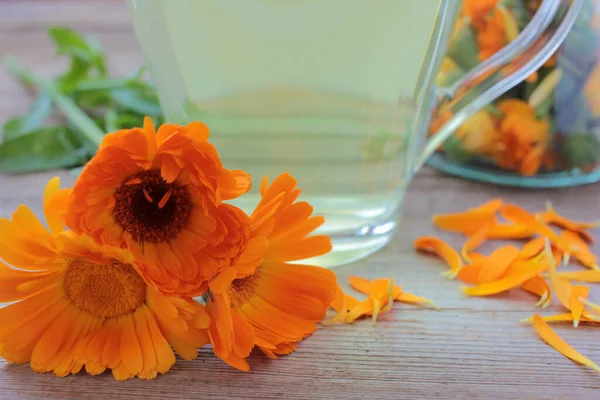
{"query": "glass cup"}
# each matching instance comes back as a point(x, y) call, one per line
point(339, 93)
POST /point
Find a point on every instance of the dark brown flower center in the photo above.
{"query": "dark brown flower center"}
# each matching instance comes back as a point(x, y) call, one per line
point(150, 209)
point(104, 290)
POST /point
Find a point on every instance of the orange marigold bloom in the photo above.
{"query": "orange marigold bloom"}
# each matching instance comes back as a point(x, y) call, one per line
point(524, 138)
point(279, 303)
point(159, 193)
point(499, 28)
point(78, 304)
point(477, 10)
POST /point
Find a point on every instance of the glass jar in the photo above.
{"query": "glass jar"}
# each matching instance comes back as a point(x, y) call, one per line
point(545, 132)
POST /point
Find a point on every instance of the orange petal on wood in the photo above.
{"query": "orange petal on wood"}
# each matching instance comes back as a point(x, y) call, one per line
point(470, 273)
point(474, 241)
point(539, 286)
point(550, 216)
point(578, 293)
point(404, 297)
point(359, 284)
point(519, 216)
point(468, 222)
point(442, 250)
point(497, 263)
point(508, 282)
point(589, 304)
point(341, 303)
point(562, 287)
point(564, 317)
point(510, 231)
point(532, 248)
point(557, 343)
point(580, 249)
point(581, 276)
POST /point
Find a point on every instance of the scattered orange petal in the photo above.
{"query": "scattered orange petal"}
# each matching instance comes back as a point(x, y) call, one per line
point(470, 221)
point(470, 273)
point(532, 248)
point(578, 293)
point(441, 249)
point(581, 276)
point(380, 300)
point(497, 263)
point(519, 216)
point(510, 231)
point(593, 306)
point(562, 287)
point(580, 249)
point(564, 317)
point(539, 286)
point(474, 241)
point(404, 297)
point(550, 216)
point(342, 303)
point(507, 282)
point(549, 336)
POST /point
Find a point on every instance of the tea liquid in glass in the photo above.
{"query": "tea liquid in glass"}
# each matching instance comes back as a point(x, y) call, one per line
point(323, 89)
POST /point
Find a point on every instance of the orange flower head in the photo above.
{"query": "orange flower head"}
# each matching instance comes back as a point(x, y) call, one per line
point(267, 301)
point(524, 139)
point(498, 29)
point(159, 193)
point(479, 133)
point(477, 10)
point(78, 304)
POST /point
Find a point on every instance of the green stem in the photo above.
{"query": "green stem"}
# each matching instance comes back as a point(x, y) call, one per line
point(86, 127)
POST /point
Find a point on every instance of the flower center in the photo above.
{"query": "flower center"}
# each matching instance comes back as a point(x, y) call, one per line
point(241, 290)
point(104, 290)
point(150, 209)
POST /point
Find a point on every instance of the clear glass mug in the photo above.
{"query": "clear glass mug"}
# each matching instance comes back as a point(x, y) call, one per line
point(338, 93)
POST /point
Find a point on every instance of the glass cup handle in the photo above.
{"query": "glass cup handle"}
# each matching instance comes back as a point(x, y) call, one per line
point(504, 70)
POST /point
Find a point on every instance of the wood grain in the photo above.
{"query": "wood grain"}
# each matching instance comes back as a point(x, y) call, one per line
point(473, 349)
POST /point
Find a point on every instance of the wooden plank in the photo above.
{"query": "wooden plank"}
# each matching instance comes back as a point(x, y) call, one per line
point(474, 348)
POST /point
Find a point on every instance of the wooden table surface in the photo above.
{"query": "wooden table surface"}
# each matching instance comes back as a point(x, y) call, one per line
point(474, 348)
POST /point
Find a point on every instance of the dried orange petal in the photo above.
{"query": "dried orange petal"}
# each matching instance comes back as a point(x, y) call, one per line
point(581, 276)
point(532, 248)
point(539, 286)
point(441, 249)
point(470, 221)
point(519, 216)
point(578, 293)
point(550, 337)
point(497, 263)
point(550, 216)
point(508, 282)
point(474, 241)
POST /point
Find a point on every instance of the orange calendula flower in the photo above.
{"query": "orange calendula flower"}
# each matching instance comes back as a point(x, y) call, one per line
point(78, 304)
point(524, 138)
point(496, 30)
point(159, 194)
point(272, 303)
point(478, 10)
point(479, 134)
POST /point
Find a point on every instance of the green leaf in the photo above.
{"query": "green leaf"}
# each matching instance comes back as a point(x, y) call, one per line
point(463, 48)
point(581, 150)
point(85, 49)
point(142, 102)
point(46, 148)
point(110, 120)
point(455, 151)
point(34, 119)
point(87, 128)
